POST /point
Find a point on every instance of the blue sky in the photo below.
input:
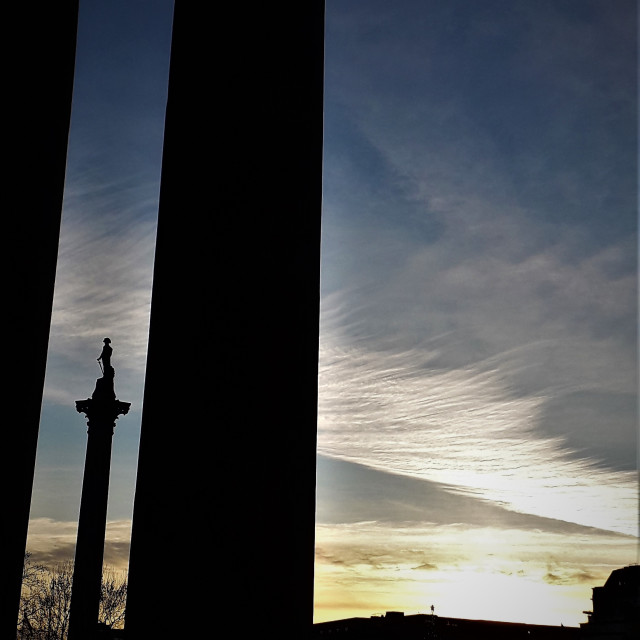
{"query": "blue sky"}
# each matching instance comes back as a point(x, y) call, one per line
point(478, 364)
point(477, 427)
point(105, 260)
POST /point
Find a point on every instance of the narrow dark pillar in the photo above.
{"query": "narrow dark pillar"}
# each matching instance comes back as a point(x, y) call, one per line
point(102, 411)
point(37, 80)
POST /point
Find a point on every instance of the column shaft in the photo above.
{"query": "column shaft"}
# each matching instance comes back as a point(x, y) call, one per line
point(87, 575)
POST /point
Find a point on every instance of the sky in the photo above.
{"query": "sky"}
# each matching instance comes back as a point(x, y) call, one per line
point(105, 263)
point(477, 416)
point(477, 434)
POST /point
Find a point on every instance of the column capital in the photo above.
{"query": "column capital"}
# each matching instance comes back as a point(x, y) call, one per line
point(102, 413)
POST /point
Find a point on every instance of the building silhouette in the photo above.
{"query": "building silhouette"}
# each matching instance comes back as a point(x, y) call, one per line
point(616, 607)
point(615, 616)
point(396, 626)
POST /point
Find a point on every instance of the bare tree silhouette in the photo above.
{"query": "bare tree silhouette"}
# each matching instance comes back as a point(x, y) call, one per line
point(46, 596)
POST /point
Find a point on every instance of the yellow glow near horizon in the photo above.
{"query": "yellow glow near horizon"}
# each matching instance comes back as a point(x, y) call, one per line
point(481, 573)
point(53, 541)
point(461, 594)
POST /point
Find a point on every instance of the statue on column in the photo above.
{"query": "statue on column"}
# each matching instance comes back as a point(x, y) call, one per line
point(103, 401)
point(105, 358)
point(104, 386)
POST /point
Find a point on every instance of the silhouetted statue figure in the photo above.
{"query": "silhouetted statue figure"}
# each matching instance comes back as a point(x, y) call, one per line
point(104, 395)
point(104, 385)
point(105, 356)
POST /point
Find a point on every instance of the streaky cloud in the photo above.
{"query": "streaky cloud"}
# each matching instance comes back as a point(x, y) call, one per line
point(348, 492)
point(52, 542)
point(390, 409)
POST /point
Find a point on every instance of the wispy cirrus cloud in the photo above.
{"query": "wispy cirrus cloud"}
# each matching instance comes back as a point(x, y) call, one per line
point(479, 307)
point(103, 283)
point(465, 427)
point(478, 346)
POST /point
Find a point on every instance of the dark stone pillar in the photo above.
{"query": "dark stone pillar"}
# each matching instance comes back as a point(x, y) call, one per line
point(37, 81)
point(223, 523)
point(102, 410)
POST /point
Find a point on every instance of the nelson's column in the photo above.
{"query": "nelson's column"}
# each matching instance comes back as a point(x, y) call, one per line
point(102, 410)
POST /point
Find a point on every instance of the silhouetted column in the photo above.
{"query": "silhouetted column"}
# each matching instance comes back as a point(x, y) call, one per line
point(223, 521)
point(37, 81)
point(102, 411)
